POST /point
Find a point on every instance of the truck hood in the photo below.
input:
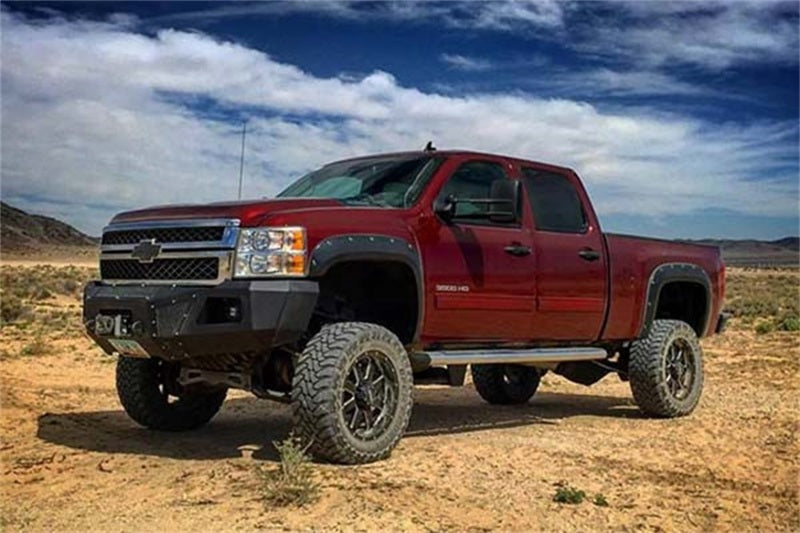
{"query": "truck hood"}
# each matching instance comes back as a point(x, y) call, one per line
point(249, 212)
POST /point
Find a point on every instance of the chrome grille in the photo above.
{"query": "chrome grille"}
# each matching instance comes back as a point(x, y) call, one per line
point(165, 235)
point(197, 251)
point(197, 268)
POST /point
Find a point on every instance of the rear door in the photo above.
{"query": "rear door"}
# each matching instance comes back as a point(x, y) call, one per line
point(479, 273)
point(570, 257)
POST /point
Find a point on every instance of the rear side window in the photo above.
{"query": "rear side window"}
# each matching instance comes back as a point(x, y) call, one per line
point(473, 179)
point(554, 202)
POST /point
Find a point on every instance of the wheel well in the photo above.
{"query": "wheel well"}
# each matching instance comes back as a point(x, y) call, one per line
point(381, 292)
point(684, 300)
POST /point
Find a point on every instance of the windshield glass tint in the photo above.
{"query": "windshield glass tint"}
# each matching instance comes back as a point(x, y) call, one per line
point(382, 181)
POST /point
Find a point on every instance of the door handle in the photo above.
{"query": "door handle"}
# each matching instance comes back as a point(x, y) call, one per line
point(518, 250)
point(589, 255)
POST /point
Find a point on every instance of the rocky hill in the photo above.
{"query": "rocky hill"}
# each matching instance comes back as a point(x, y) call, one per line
point(25, 232)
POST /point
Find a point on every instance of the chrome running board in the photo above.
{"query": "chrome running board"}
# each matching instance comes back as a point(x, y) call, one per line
point(529, 356)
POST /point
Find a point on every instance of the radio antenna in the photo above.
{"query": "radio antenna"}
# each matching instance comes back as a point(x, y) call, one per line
point(241, 160)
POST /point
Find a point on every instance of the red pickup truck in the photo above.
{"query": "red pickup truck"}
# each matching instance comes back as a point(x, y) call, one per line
point(371, 274)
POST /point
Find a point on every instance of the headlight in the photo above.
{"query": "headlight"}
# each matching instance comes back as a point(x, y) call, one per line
point(271, 252)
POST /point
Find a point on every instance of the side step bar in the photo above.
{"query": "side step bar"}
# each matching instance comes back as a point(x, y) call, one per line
point(506, 356)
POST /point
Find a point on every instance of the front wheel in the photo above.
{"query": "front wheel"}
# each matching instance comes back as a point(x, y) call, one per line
point(666, 369)
point(149, 392)
point(352, 393)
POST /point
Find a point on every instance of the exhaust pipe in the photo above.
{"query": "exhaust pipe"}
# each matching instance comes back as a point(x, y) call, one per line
point(530, 356)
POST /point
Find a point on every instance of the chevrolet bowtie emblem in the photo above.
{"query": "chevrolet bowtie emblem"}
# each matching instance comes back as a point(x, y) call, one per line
point(146, 251)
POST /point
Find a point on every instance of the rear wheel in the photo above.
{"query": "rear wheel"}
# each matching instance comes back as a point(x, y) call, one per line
point(151, 395)
point(351, 393)
point(505, 384)
point(666, 369)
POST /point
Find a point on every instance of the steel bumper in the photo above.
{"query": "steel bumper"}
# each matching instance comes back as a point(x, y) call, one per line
point(179, 322)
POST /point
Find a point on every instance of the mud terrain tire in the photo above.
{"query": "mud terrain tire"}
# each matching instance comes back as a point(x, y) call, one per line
point(148, 401)
point(666, 370)
point(342, 406)
point(505, 384)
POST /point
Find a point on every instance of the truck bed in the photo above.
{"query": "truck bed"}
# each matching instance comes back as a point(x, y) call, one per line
point(632, 261)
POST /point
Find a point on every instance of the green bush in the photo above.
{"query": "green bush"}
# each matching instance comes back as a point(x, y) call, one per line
point(790, 323)
point(568, 494)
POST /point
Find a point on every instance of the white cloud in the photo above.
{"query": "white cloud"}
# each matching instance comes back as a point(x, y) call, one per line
point(713, 35)
point(86, 126)
point(466, 63)
point(503, 15)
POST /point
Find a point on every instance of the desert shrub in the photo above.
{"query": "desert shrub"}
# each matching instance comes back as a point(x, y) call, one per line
point(764, 296)
point(38, 346)
point(568, 494)
point(13, 309)
point(58, 319)
point(293, 482)
point(790, 323)
point(600, 500)
point(43, 281)
point(764, 327)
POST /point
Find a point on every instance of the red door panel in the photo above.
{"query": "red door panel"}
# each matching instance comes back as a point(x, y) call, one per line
point(571, 260)
point(476, 290)
point(571, 296)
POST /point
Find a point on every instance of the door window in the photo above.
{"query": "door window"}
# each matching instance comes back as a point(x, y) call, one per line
point(554, 201)
point(472, 180)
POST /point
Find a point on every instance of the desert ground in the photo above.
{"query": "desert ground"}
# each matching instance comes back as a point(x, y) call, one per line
point(72, 461)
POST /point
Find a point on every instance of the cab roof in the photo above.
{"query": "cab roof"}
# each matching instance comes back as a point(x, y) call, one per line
point(446, 153)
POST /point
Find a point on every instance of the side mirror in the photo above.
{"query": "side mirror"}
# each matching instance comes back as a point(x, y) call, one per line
point(446, 207)
point(504, 201)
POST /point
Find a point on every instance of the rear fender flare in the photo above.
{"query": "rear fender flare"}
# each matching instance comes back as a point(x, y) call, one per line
point(667, 273)
point(370, 247)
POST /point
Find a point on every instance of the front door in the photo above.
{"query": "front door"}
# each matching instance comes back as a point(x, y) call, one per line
point(479, 274)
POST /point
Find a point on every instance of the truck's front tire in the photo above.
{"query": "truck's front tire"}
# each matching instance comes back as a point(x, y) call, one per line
point(666, 369)
point(150, 394)
point(352, 393)
point(505, 384)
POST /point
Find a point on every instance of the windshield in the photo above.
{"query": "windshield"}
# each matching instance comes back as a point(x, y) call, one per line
point(388, 181)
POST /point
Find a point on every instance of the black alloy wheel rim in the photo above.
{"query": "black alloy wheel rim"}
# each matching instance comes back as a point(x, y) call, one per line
point(369, 397)
point(679, 369)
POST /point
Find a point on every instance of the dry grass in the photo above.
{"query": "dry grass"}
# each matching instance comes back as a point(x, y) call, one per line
point(41, 304)
point(764, 300)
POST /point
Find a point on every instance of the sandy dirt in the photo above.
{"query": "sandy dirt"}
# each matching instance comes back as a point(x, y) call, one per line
point(72, 461)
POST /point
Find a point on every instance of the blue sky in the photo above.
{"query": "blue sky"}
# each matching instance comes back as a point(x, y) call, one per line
point(682, 118)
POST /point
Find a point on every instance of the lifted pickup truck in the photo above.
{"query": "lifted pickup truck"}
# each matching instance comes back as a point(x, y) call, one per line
point(374, 273)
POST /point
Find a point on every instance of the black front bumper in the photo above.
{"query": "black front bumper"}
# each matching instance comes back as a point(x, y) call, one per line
point(190, 321)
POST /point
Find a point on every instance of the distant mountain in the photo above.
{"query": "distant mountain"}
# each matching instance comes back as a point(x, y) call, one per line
point(750, 252)
point(24, 232)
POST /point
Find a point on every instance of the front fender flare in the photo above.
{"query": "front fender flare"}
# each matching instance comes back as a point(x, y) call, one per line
point(370, 247)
